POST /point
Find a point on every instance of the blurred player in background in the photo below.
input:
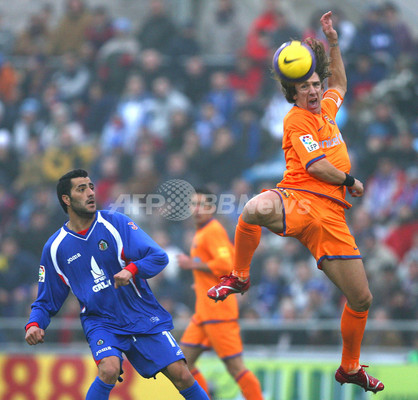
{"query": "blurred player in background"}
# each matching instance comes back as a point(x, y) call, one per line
point(309, 202)
point(213, 325)
point(106, 259)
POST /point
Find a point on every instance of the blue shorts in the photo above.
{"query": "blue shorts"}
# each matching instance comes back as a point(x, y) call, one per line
point(148, 354)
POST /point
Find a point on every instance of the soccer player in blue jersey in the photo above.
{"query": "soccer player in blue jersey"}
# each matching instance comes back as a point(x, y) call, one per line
point(105, 259)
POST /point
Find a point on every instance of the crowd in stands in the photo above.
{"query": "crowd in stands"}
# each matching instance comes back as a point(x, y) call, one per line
point(139, 106)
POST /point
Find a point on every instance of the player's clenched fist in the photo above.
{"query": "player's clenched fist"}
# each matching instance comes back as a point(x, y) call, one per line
point(34, 335)
point(122, 278)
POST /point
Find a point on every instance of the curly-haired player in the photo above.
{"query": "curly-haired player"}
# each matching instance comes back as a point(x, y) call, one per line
point(309, 203)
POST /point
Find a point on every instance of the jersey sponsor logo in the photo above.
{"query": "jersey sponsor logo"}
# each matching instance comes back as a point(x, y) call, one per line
point(104, 349)
point(41, 273)
point(309, 143)
point(72, 258)
point(103, 245)
point(154, 319)
point(133, 225)
point(335, 141)
point(100, 279)
point(179, 352)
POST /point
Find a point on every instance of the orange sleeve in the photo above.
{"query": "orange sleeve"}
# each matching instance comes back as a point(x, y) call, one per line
point(219, 249)
point(304, 138)
point(332, 101)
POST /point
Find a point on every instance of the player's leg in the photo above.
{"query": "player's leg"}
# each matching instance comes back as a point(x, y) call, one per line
point(178, 373)
point(193, 343)
point(265, 209)
point(226, 340)
point(247, 381)
point(107, 353)
point(151, 354)
point(350, 277)
point(109, 371)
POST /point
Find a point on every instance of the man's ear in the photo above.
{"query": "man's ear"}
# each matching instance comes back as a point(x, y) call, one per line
point(66, 199)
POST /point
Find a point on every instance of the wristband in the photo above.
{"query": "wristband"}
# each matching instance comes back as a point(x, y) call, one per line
point(349, 180)
point(334, 45)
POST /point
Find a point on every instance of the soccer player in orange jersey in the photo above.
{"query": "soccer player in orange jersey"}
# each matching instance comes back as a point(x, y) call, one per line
point(309, 202)
point(213, 325)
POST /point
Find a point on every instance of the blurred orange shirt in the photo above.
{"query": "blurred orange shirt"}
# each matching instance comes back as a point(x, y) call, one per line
point(310, 137)
point(212, 246)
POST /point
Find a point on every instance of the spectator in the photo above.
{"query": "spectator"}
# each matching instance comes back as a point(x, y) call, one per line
point(208, 121)
point(273, 286)
point(245, 75)
point(383, 188)
point(258, 42)
point(158, 29)
point(68, 36)
point(9, 161)
point(28, 125)
point(166, 100)
point(7, 37)
point(222, 33)
point(100, 30)
point(72, 79)
point(400, 30)
point(35, 37)
point(100, 105)
point(184, 44)
point(151, 67)
point(221, 95)
point(8, 79)
point(117, 57)
point(195, 80)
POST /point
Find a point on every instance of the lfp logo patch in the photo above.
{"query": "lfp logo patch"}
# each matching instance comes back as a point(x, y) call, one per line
point(41, 273)
point(309, 143)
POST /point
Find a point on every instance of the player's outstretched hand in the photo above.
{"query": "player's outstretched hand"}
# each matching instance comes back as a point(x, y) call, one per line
point(357, 190)
point(34, 335)
point(122, 278)
point(327, 28)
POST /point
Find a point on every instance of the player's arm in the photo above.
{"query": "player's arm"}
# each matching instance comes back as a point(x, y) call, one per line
point(146, 258)
point(338, 79)
point(186, 262)
point(52, 292)
point(324, 171)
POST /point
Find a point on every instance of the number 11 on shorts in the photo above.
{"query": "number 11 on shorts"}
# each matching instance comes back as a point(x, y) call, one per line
point(170, 338)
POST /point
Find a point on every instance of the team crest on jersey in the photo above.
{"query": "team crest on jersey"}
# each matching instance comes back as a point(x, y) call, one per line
point(103, 245)
point(309, 143)
point(41, 273)
point(100, 342)
point(329, 119)
point(133, 225)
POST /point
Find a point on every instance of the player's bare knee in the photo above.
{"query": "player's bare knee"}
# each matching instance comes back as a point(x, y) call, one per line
point(362, 302)
point(109, 371)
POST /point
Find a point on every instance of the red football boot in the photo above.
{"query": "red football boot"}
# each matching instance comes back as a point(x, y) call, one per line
point(361, 378)
point(229, 284)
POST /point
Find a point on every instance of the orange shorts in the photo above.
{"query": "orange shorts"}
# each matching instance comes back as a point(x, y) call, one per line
point(223, 337)
point(318, 223)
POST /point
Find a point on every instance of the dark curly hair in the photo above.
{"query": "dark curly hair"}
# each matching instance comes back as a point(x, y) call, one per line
point(322, 68)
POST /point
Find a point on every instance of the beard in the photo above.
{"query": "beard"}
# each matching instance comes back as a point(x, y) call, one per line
point(82, 212)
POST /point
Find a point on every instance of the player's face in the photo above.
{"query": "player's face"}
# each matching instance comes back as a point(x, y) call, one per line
point(82, 200)
point(202, 209)
point(309, 94)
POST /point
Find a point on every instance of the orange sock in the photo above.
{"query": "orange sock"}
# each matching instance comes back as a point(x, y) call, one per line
point(247, 238)
point(353, 324)
point(250, 386)
point(200, 379)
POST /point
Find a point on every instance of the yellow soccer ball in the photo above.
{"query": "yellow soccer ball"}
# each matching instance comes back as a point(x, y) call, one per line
point(294, 62)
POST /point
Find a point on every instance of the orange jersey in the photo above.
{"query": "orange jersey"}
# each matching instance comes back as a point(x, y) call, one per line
point(309, 137)
point(212, 246)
